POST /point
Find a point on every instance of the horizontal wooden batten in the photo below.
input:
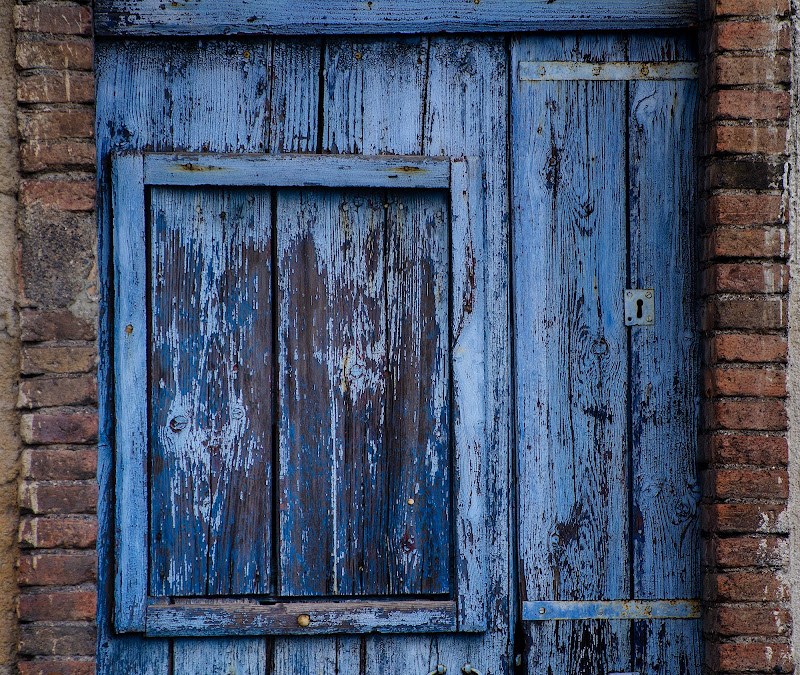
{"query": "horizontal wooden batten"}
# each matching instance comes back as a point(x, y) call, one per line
point(548, 71)
point(340, 17)
point(576, 610)
point(301, 618)
point(297, 171)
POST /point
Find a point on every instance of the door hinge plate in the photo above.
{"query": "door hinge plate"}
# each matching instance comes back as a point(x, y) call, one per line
point(640, 307)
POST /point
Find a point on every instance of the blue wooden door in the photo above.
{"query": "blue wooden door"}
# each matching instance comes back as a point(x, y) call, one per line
point(606, 401)
point(375, 405)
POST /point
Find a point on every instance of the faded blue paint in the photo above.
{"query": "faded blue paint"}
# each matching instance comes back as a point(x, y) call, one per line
point(313, 17)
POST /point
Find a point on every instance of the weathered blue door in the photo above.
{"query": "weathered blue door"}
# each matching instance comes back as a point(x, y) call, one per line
point(375, 403)
point(605, 353)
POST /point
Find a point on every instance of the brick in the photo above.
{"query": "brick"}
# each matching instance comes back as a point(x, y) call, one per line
point(57, 19)
point(734, 347)
point(55, 124)
point(746, 174)
point(767, 415)
point(754, 450)
point(751, 621)
point(746, 210)
point(751, 658)
point(36, 156)
point(42, 429)
point(58, 360)
point(748, 552)
point(746, 587)
point(67, 640)
point(51, 392)
point(35, 52)
point(56, 87)
point(58, 498)
point(770, 242)
point(59, 324)
point(748, 70)
point(744, 104)
point(751, 7)
point(745, 518)
point(755, 313)
point(746, 484)
point(750, 36)
point(59, 463)
point(57, 569)
point(60, 606)
point(64, 195)
point(746, 278)
point(745, 382)
point(41, 667)
point(58, 532)
point(741, 139)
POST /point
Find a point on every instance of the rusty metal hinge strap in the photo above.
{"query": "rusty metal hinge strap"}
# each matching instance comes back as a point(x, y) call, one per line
point(574, 610)
point(552, 71)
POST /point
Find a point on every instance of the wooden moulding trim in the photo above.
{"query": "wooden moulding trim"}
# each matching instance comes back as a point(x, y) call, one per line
point(342, 17)
point(297, 171)
point(241, 618)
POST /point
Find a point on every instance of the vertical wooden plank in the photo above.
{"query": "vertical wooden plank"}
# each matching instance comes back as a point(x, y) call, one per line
point(130, 338)
point(211, 441)
point(569, 240)
point(331, 332)
point(664, 358)
point(294, 127)
point(468, 330)
point(119, 127)
point(294, 95)
point(416, 497)
point(374, 95)
point(212, 656)
point(466, 114)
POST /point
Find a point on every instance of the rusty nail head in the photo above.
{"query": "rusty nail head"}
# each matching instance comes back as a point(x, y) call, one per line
point(303, 620)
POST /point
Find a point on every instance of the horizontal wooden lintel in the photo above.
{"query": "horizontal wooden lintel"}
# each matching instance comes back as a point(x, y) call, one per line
point(545, 71)
point(301, 618)
point(296, 170)
point(340, 17)
point(575, 610)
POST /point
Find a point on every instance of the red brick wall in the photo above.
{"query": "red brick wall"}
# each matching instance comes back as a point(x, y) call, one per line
point(58, 391)
point(744, 315)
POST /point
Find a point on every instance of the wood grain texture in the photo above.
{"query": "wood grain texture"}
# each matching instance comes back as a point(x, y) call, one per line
point(664, 358)
point(297, 170)
point(130, 374)
point(570, 254)
point(211, 443)
point(212, 656)
point(209, 619)
point(119, 127)
point(168, 106)
point(206, 17)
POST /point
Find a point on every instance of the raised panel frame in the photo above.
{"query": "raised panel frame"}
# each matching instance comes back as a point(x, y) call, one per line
point(134, 610)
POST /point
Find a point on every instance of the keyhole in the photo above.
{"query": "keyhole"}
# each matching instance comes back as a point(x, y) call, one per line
point(639, 305)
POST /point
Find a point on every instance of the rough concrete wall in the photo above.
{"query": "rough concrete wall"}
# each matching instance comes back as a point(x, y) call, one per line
point(9, 343)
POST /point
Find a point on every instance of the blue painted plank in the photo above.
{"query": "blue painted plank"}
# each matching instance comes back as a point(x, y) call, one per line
point(212, 656)
point(308, 17)
point(211, 435)
point(664, 358)
point(117, 653)
point(541, 71)
point(569, 243)
point(130, 376)
point(294, 170)
point(216, 618)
